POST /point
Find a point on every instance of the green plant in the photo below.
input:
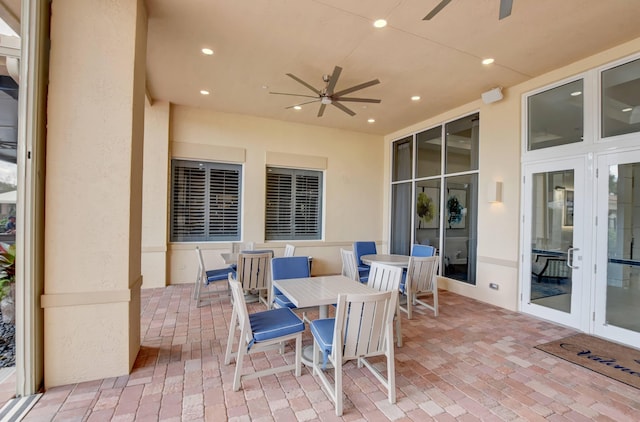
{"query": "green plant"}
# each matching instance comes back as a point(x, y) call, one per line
point(7, 268)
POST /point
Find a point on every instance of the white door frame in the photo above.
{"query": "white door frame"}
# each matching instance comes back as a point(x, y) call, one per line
point(581, 276)
point(600, 327)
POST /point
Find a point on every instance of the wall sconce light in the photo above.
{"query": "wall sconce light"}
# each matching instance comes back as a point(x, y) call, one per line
point(495, 192)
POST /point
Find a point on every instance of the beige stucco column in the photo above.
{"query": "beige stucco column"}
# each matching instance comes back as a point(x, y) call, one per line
point(93, 202)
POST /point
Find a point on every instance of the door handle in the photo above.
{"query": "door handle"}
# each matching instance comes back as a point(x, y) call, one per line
point(570, 253)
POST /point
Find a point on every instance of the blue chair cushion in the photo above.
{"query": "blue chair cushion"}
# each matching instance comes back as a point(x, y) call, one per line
point(403, 282)
point(218, 275)
point(274, 323)
point(282, 301)
point(364, 275)
point(422, 250)
point(322, 330)
point(363, 248)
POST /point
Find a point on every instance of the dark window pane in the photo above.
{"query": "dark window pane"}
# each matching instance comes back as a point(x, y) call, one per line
point(556, 116)
point(621, 99)
point(461, 144)
point(402, 159)
point(429, 153)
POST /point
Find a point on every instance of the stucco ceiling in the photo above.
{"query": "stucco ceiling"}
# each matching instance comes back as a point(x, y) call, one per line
point(257, 42)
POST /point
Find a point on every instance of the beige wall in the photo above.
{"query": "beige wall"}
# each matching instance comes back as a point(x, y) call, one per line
point(500, 149)
point(353, 182)
point(155, 209)
point(94, 190)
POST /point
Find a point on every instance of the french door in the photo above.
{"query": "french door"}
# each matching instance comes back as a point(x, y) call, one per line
point(617, 290)
point(554, 254)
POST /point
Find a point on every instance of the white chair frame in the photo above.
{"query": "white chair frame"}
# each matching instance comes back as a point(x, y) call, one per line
point(370, 336)
point(349, 265)
point(201, 281)
point(422, 280)
point(240, 321)
point(387, 278)
point(253, 272)
point(289, 250)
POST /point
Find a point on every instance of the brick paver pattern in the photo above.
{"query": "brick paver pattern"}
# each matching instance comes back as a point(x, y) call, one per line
point(474, 362)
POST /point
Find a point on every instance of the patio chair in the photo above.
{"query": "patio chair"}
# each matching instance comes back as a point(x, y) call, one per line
point(349, 265)
point(363, 248)
point(362, 328)
point(421, 281)
point(387, 278)
point(259, 332)
point(422, 250)
point(238, 247)
point(253, 272)
point(284, 268)
point(206, 277)
point(289, 250)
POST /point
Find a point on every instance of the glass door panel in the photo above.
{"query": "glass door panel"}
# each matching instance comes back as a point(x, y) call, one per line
point(552, 232)
point(618, 285)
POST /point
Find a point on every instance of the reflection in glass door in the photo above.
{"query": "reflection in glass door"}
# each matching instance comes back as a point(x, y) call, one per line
point(553, 255)
point(618, 283)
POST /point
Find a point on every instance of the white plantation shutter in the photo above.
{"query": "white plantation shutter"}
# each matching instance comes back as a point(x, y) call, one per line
point(293, 204)
point(205, 201)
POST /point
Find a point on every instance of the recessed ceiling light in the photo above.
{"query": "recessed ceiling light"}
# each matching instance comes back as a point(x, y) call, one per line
point(207, 51)
point(488, 61)
point(204, 92)
point(297, 108)
point(371, 120)
point(628, 109)
point(576, 93)
point(380, 23)
point(415, 98)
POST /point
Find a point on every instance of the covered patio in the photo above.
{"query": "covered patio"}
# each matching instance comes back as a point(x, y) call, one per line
point(473, 362)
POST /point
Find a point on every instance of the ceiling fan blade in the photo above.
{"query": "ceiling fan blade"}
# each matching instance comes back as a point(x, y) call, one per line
point(357, 100)
point(301, 104)
point(333, 79)
point(295, 78)
point(505, 8)
point(343, 108)
point(293, 95)
point(436, 10)
point(321, 111)
point(356, 88)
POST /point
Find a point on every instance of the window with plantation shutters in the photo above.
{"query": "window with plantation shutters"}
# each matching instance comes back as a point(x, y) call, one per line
point(293, 204)
point(205, 201)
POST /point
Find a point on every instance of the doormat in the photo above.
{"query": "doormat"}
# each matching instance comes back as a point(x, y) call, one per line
point(604, 357)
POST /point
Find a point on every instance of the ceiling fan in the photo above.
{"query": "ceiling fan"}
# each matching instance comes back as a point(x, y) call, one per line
point(505, 9)
point(327, 96)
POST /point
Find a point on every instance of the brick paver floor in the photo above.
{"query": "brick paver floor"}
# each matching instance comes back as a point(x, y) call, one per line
point(474, 362)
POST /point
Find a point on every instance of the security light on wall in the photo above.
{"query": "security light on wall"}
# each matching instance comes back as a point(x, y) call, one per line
point(495, 192)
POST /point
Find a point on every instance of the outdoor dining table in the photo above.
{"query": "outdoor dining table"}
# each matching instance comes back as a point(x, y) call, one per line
point(319, 291)
point(389, 259)
point(231, 258)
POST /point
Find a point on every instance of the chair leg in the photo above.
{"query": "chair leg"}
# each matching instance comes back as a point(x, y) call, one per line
point(338, 386)
point(398, 325)
point(391, 375)
point(435, 302)
point(409, 305)
point(239, 359)
point(299, 355)
point(232, 330)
